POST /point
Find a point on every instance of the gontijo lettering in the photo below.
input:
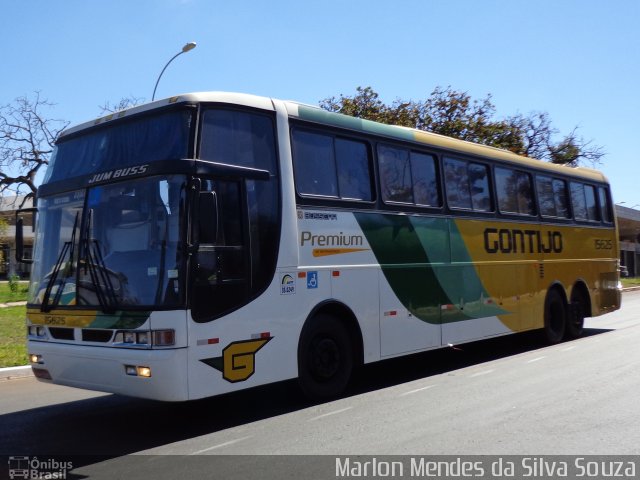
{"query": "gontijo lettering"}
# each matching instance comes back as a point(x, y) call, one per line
point(507, 240)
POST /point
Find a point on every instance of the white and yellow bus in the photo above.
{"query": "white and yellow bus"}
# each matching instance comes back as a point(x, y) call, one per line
point(213, 242)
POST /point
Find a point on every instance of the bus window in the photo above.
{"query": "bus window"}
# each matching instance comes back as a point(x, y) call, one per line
point(238, 138)
point(552, 197)
point(514, 192)
point(605, 205)
point(583, 199)
point(354, 179)
point(425, 180)
point(315, 165)
point(408, 177)
point(467, 185)
point(395, 174)
point(331, 167)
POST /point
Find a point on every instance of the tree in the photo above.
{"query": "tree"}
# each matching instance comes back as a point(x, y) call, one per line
point(123, 104)
point(27, 137)
point(455, 114)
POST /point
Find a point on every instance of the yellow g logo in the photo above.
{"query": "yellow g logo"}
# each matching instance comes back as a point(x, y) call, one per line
point(238, 359)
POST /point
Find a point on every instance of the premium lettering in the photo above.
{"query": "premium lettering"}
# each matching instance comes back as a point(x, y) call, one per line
point(506, 240)
point(339, 240)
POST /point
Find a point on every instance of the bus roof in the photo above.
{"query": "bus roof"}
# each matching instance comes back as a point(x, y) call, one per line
point(318, 115)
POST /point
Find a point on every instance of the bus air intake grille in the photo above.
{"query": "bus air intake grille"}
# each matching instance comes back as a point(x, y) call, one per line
point(93, 335)
point(60, 333)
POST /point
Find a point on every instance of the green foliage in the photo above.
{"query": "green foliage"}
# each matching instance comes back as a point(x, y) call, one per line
point(455, 114)
point(13, 283)
point(7, 294)
point(13, 349)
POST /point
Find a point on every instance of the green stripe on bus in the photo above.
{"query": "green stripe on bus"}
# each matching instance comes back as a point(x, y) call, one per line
point(414, 254)
point(352, 123)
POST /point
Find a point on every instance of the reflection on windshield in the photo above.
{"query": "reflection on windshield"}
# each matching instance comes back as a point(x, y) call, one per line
point(125, 253)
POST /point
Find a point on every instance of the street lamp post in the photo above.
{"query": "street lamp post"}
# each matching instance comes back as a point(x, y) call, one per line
point(185, 49)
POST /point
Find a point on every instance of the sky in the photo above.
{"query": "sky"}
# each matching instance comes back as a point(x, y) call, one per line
point(577, 60)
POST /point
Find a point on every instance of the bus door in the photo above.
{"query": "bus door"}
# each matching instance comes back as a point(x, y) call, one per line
point(221, 267)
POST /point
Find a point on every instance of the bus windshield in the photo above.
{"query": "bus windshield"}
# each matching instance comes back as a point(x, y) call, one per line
point(111, 246)
point(131, 142)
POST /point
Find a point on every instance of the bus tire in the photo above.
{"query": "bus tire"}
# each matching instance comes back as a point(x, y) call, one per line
point(325, 358)
point(555, 317)
point(575, 320)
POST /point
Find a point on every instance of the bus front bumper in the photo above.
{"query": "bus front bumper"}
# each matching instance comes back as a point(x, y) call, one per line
point(155, 374)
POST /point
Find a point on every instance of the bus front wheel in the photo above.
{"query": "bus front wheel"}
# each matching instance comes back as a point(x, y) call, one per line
point(555, 317)
point(325, 358)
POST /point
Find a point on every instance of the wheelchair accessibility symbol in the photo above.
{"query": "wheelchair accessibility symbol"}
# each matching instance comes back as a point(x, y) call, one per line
point(312, 279)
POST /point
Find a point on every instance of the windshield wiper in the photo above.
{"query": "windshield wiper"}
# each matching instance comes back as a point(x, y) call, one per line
point(98, 272)
point(68, 247)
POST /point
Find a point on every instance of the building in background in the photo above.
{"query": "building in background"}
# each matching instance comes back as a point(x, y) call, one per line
point(629, 235)
point(8, 264)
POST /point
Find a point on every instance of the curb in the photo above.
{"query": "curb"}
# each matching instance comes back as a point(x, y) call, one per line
point(12, 373)
point(12, 304)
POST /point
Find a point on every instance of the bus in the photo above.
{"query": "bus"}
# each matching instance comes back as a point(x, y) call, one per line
point(212, 242)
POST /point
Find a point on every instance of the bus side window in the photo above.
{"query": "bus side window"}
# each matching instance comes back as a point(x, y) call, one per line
point(315, 164)
point(514, 191)
point(395, 174)
point(552, 197)
point(329, 166)
point(467, 185)
point(583, 198)
point(605, 205)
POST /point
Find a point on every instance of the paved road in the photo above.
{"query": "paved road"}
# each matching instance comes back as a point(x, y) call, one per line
point(505, 396)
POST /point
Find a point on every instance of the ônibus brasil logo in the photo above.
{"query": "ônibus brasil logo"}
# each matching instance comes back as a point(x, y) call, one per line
point(41, 469)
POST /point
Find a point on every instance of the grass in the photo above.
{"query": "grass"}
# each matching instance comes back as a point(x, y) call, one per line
point(630, 282)
point(6, 295)
point(13, 348)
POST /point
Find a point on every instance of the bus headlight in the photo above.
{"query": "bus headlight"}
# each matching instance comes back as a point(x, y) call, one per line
point(146, 338)
point(37, 331)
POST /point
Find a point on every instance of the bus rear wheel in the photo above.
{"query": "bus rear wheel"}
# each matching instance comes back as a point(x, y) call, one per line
point(555, 317)
point(577, 312)
point(325, 358)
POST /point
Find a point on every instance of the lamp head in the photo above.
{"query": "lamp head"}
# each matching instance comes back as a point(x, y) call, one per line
point(188, 46)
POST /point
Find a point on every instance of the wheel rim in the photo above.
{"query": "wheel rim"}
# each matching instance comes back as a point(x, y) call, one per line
point(325, 358)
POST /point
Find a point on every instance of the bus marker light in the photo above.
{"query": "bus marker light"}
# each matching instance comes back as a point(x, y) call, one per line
point(302, 275)
point(164, 338)
point(258, 336)
point(335, 273)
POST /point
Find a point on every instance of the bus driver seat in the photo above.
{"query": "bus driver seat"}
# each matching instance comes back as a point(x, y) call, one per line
point(130, 255)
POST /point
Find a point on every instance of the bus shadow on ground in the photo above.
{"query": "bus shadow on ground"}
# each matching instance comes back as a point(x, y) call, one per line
point(111, 426)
